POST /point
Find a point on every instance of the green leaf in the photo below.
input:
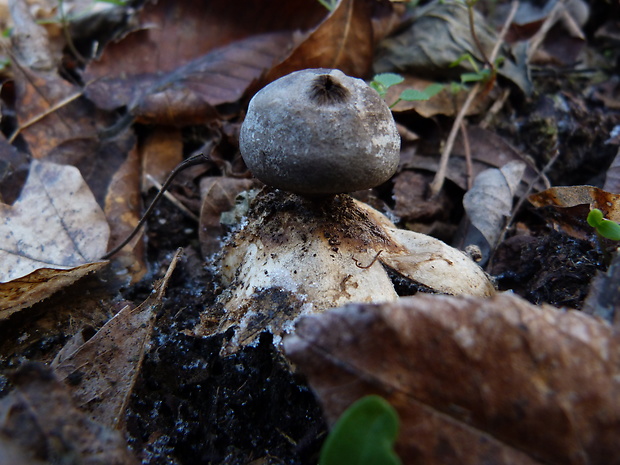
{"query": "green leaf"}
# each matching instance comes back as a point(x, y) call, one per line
point(472, 77)
point(388, 79)
point(329, 4)
point(412, 95)
point(433, 89)
point(595, 217)
point(364, 435)
point(609, 229)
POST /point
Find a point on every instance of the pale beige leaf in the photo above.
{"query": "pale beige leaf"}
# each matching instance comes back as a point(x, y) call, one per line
point(53, 235)
point(56, 223)
point(489, 202)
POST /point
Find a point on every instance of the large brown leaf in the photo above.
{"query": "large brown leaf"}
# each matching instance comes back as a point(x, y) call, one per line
point(344, 40)
point(474, 380)
point(189, 56)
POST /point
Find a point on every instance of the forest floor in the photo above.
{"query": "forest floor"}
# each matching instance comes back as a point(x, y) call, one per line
point(125, 92)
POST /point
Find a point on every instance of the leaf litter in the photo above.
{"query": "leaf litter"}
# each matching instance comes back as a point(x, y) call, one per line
point(185, 401)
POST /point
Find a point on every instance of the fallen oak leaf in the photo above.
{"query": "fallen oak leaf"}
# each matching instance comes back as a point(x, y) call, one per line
point(52, 235)
point(494, 380)
point(102, 372)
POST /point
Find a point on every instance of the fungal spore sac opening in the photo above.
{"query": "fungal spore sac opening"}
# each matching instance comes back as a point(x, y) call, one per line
point(327, 90)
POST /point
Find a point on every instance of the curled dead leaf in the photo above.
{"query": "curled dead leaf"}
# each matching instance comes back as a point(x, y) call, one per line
point(489, 203)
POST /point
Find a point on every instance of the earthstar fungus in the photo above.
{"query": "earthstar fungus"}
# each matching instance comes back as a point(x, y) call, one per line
point(320, 132)
point(317, 134)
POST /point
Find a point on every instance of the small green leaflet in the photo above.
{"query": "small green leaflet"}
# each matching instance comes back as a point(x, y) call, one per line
point(363, 435)
point(382, 82)
point(604, 227)
point(414, 94)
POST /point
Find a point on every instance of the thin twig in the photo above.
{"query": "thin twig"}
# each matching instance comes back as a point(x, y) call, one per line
point(440, 176)
point(468, 162)
point(472, 30)
point(193, 160)
point(495, 109)
point(173, 199)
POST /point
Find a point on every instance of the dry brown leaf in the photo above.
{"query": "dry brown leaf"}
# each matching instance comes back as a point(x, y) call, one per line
point(50, 112)
point(23, 292)
point(174, 32)
point(55, 225)
point(160, 153)
point(189, 94)
point(180, 80)
point(344, 40)
point(101, 373)
point(410, 198)
point(39, 422)
point(474, 380)
point(123, 207)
